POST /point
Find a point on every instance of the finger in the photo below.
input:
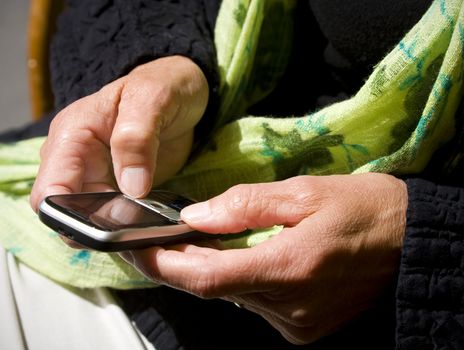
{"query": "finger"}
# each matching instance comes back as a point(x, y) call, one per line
point(52, 181)
point(77, 139)
point(210, 273)
point(68, 165)
point(288, 310)
point(252, 206)
point(293, 334)
point(135, 138)
point(297, 335)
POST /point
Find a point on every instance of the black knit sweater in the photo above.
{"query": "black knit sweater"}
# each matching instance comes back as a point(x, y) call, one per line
point(101, 40)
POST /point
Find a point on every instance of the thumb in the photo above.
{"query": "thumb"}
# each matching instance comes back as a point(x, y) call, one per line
point(250, 206)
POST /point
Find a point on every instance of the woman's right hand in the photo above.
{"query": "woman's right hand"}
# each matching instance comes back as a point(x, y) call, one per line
point(135, 132)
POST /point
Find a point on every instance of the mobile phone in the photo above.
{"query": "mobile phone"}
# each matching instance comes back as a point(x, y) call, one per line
point(112, 221)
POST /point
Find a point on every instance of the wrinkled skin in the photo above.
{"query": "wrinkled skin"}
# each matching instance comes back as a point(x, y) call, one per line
point(336, 256)
point(134, 132)
point(342, 239)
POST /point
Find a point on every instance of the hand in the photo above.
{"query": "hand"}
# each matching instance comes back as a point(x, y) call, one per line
point(135, 130)
point(338, 252)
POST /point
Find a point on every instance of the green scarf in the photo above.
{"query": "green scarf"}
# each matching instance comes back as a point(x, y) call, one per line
point(404, 112)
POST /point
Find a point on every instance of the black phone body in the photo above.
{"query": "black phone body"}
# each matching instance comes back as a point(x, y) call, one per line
point(112, 221)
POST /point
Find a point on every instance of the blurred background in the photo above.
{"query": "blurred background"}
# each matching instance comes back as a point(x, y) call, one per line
point(14, 96)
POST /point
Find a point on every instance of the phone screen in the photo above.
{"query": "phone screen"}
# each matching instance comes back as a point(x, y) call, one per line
point(112, 211)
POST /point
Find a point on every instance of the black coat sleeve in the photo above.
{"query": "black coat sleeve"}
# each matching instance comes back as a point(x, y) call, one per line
point(430, 292)
point(98, 41)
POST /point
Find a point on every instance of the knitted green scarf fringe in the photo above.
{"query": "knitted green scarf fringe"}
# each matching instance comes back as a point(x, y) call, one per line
point(404, 112)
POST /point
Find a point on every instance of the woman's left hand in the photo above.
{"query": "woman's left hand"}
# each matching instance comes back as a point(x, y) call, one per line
point(337, 254)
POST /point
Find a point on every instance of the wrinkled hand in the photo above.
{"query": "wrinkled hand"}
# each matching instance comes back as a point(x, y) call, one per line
point(338, 252)
point(135, 130)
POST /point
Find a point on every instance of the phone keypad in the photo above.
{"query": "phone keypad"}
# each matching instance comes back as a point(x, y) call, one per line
point(160, 208)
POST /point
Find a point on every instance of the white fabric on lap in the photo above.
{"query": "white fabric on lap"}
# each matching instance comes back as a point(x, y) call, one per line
point(38, 313)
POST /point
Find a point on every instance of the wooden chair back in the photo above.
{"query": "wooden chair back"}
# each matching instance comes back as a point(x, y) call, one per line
point(42, 23)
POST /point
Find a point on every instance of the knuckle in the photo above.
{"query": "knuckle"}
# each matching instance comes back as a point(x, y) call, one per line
point(241, 201)
point(306, 192)
point(302, 186)
point(147, 90)
point(105, 108)
point(111, 91)
point(75, 138)
point(58, 122)
point(163, 94)
point(85, 113)
point(300, 318)
point(159, 98)
point(72, 109)
point(238, 197)
point(130, 136)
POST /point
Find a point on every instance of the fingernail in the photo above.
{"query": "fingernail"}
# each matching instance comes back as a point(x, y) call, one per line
point(134, 181)
point(196, 212)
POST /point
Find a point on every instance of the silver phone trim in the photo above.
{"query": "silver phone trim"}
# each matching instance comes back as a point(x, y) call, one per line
point(124, 235)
